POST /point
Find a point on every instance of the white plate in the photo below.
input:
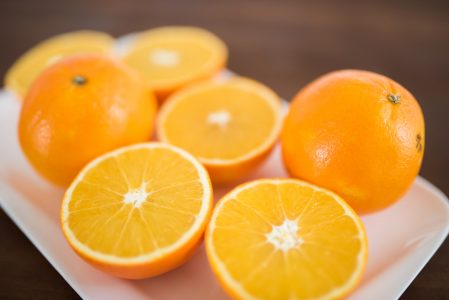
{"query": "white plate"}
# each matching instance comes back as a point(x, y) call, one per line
point(401, 239)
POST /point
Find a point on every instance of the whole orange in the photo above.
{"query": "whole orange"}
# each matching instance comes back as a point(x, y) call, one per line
point(357, 133)
point(80, 108)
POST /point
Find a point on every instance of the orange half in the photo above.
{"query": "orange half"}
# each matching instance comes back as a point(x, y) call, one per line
point(171, 57)
point(138, 211)
point(285, 239)
point(230, 125)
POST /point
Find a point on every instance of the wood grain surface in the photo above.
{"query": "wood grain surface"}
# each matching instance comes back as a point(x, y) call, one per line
point(284, 44)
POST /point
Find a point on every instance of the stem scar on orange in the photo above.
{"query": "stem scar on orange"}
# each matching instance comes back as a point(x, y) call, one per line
point(357, 133)
point(80, 108)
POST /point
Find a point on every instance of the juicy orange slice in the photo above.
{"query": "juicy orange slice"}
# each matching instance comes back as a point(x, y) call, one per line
point(23, 72)
point(285, 239)
point(171, 57)
point(138, 211)
point(229, 125)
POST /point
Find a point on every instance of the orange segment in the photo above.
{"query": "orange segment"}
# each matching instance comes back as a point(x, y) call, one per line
point(285, 239)
point(23, 72)
point(171, 57)
point(138, 211)
point(228, 125)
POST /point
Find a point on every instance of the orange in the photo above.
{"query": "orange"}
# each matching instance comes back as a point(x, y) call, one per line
point(23, 72)
point(229, 125)
point(285, 239)
point(138, 211)
point(80, 108)
point(357, 133)
point(171, 57)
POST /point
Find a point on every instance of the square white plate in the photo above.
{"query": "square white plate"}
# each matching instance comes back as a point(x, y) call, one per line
point(401, 239)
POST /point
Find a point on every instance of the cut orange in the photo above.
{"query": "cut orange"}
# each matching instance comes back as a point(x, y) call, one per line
point(20, 76)
point(229, 125)
point(171, 57)
point(138, 211)
point(285, 239)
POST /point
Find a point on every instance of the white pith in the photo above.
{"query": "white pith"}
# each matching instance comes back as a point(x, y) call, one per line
point(164, 57)
point(136, 197)
point(221, 118)
point(285, 236)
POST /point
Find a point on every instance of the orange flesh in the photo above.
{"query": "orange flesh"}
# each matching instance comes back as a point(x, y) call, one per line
point(327, 259)
point(190, 57)
point(171, 57)
point(220, 121)
point(101, 219)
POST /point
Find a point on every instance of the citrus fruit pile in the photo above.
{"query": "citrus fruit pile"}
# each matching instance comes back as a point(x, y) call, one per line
point(352, 141)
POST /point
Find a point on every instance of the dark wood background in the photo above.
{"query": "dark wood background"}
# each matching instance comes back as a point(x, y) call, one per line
point(284, 44)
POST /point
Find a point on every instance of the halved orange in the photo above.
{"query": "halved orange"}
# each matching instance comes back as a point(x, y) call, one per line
point(171, 57)
point(229, 125)
point(285, 239)
point(23, 72)
point(138, 211)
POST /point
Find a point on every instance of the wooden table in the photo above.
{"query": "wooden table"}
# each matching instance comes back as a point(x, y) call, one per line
point(283, 44)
